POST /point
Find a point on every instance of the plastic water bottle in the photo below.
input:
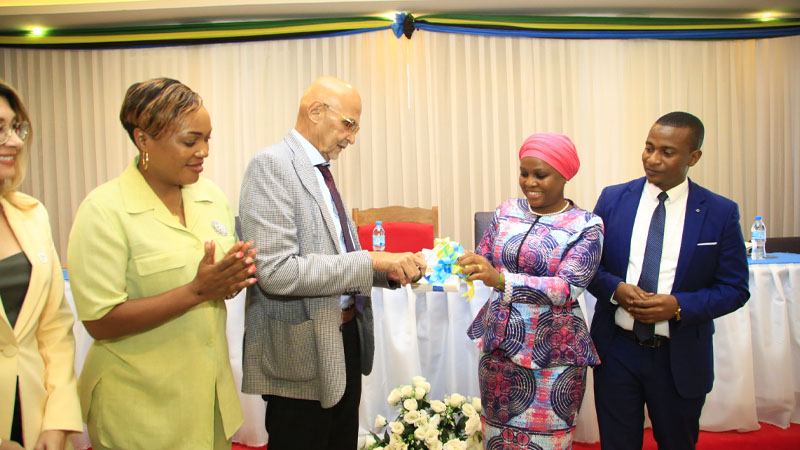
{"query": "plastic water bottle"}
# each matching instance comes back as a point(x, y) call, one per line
point(378, 237)
point(758, 239)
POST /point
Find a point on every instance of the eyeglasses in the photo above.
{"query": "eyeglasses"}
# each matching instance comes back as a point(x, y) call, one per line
point(21, 129)
point(349, 124)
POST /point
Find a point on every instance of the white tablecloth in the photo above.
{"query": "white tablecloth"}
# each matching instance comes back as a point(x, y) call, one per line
point(756, 355)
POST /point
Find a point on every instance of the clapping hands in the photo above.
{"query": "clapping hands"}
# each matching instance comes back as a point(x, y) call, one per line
point(226, 277)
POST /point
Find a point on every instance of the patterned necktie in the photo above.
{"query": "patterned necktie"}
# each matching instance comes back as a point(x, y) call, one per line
point(337, 201)
point(648, 280)
point(358, 300)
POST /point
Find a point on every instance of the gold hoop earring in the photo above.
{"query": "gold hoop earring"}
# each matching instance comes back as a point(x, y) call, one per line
point(145, 161)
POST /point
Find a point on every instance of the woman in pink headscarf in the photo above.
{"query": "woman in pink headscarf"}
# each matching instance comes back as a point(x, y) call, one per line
point(540, 252)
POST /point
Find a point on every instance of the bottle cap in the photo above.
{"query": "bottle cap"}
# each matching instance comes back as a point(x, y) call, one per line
point(378, 223)
point(758, 217)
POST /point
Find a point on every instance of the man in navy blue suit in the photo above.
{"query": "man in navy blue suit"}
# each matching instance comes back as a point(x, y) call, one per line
point(673, 260)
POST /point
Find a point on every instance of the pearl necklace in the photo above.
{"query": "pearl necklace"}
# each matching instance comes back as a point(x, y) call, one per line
point(567, 205)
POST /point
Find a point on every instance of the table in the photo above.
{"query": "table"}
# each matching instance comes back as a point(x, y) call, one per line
point(757, 354)
point(775, 322)
point(421, 334)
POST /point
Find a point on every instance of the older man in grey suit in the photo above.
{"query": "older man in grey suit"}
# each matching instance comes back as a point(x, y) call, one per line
point(309, 329)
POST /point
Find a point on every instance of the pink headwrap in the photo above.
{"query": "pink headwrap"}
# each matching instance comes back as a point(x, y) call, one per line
point(554, 149)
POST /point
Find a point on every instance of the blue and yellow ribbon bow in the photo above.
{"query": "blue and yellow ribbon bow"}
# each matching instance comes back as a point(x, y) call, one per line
point(448, 252)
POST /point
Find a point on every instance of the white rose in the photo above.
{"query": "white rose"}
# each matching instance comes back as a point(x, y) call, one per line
point(395, 439)
point(369, 441)
point(468, 409)
point(476, 403)
point(407, 391)
point(419, 434)
point(434, 422)
point(410, 404)
point(416, 381)
point(379, 448)
point(435, 445)
point(394, 397)
point(455, 444)
point(473, 425)
point(419, 393)
point(411, 417)
point(456, 400)
point(380, 421)
point(438, 406)
point(474, 442)
point(432, 435)
point(396, 427)
point(426, 386)
point(423, 420)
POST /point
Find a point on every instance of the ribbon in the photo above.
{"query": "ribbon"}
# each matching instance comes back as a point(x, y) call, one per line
point(403, 25)
point(397, 25)
point(447, 253)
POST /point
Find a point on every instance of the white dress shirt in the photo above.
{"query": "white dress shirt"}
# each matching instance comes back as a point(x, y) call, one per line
point(316, 158)
point(675, 207)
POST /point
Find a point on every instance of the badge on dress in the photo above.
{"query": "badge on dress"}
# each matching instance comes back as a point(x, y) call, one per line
point(219, 228)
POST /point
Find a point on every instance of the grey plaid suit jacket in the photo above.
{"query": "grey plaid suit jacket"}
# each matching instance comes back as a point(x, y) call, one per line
point(292, 343)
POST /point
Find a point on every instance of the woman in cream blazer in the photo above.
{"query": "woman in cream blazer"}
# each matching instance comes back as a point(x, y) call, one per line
point(37, 351)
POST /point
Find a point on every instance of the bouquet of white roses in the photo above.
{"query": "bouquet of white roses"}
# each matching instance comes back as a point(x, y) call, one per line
point(452, 424)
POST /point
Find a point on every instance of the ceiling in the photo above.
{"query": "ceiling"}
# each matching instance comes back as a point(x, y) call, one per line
point(23, 15)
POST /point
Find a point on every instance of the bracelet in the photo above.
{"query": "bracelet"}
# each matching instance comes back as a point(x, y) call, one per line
point(501, 285)
point(678, 314)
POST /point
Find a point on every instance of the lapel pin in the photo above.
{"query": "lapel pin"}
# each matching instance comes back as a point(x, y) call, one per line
point(42, 257)
point(219, 228)
point(697, 210)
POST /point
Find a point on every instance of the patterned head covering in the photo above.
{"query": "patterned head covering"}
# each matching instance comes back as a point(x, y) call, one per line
point(554, 149)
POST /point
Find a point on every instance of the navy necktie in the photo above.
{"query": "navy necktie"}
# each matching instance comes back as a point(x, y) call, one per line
point(358, 300)
point(337, 202)
point(648, 280)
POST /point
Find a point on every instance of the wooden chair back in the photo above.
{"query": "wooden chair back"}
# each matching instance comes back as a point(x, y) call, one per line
point(398, 214)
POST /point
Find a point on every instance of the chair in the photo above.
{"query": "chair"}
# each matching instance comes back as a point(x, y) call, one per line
point(407, 229)
point(482, 221)
point(783, 244)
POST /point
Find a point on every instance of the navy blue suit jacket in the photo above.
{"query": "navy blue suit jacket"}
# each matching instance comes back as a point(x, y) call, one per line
point(711, 280)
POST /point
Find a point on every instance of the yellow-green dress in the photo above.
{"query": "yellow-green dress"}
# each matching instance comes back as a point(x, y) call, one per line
point(170, 387)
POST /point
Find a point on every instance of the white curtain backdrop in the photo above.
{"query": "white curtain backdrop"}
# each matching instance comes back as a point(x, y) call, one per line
point(443, 118)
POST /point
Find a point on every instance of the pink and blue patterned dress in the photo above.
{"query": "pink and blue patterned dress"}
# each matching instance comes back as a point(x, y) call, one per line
point(535, 345)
